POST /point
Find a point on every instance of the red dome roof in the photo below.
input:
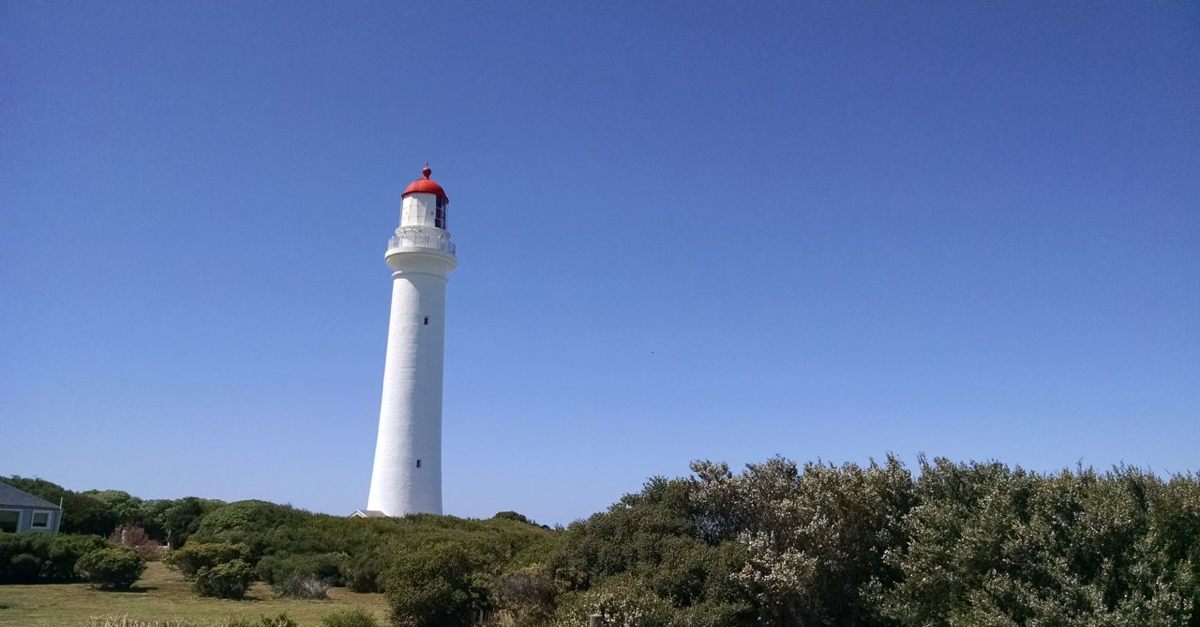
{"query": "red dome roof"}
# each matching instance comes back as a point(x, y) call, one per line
point(425, 186)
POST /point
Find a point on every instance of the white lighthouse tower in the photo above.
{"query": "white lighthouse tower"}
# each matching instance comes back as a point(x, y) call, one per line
point(407, 477)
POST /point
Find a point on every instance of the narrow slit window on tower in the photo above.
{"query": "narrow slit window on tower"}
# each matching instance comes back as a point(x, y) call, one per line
point(418, 463)
point(426, 320)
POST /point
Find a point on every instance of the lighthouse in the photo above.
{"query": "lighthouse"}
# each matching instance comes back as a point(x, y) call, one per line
point(407, 475)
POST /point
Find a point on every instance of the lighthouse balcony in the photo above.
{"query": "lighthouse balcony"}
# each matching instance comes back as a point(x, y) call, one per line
point(421, 240)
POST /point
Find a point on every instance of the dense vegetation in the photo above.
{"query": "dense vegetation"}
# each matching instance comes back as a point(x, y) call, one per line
point(30, 557)
point(776, 544)
point(98, 512)
point(964, 544)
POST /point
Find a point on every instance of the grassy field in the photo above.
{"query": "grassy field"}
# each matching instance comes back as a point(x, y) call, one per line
point(162, 594)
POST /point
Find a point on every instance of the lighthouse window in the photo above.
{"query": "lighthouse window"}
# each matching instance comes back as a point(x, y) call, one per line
point(418, 463)
point(426, 320)
point(440, 218)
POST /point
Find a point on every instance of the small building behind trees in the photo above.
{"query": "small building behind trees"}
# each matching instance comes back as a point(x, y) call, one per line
point(21, 511)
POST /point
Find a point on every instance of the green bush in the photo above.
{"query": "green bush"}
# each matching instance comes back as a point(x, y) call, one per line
point(111, 568)
point(174, 521)
point(326, 567)
point(514, 516)
point(361, 573)
point(441, 569)
point(64, 552)
point(24, 568)
point(12, 545)
point(351, 618)
point(252, 524)
point(56, 556)
point(526, 596)
point(228, 580)
point(993, 545)
point(440, 584)
point(197, 555)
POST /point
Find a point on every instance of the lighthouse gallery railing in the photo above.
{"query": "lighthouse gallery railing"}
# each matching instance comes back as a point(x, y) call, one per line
point(418, 239)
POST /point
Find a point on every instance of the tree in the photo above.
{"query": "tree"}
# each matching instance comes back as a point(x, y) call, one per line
point(174, 521)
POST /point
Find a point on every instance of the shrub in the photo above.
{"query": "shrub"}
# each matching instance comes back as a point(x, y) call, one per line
point(621, 602)
point(175, 521)
point(13, 545)
point(302, 587)
point(111, 568)
point(229, 580)
point(351, 618)
point(195, 556)
point(525, 597)
point(64, 552)
point(245, 515)
point(274, 569)
point(439, 584)
point(134, 537)
point(515, 516)
point(361, 574)
point(281, 620)
point(992, 545)
point(24, 568)
point(56, 556)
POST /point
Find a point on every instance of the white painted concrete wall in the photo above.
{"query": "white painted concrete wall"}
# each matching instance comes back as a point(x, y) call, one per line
point(418, 210)
point(410, 415)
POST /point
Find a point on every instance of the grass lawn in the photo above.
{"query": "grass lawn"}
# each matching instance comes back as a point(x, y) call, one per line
point(163, 594)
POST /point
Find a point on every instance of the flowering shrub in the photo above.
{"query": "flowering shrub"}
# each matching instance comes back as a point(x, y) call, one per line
point(134, 537)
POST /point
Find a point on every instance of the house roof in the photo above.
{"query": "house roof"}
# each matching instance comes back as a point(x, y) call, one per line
point(12, 497)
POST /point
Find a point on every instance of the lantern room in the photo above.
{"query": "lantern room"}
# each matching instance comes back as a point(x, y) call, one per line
point(424, 203)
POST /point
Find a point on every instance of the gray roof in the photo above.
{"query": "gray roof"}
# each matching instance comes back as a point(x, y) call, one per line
point(13, 497)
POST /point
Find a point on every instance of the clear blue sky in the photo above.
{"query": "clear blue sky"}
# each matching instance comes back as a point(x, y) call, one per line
point(686, 230)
